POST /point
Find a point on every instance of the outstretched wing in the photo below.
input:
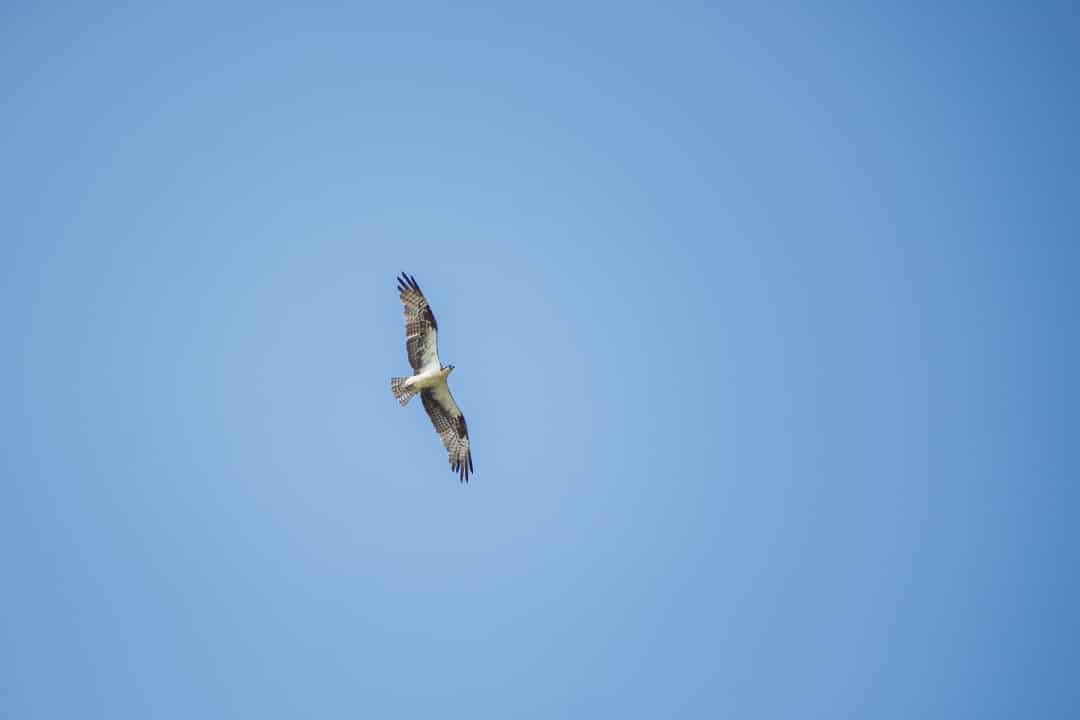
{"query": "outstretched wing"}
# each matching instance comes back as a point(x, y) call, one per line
point(450, 424)
point(421, 330)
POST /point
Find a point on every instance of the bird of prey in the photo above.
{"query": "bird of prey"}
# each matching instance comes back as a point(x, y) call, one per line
point(429, 377)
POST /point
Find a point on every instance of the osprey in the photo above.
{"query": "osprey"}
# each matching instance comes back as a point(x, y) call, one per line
point(429, 377)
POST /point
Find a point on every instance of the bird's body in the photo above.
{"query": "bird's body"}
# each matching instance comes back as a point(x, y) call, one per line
point(429, 377)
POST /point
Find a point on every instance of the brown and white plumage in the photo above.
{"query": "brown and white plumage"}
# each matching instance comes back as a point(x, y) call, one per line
point(450, 424)
point(421, 330)
point(429, 377)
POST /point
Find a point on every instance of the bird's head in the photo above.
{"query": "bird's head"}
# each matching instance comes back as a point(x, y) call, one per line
point(448, 369)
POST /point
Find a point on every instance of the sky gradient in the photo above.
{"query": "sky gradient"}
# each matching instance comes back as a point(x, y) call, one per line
point(762, 322)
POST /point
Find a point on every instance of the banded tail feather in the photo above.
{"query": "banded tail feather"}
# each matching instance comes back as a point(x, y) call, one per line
point(402, 393)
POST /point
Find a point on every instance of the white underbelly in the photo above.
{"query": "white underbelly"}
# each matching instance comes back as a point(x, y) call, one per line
point(425, 380)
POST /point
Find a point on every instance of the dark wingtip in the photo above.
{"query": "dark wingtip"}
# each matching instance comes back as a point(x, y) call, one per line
point(407, 282)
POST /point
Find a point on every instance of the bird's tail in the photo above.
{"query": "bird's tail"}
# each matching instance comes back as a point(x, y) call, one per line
point(402, 393)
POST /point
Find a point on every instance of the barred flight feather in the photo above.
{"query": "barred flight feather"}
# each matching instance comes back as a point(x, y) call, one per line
point(421, 330)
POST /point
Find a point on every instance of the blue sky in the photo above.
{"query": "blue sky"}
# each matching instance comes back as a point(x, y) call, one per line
point(763, 323)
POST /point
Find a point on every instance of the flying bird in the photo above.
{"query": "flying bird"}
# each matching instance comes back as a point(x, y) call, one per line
point(429, 377)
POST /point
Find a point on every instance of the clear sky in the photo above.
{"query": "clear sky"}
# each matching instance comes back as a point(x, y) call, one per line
point(764, 324)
